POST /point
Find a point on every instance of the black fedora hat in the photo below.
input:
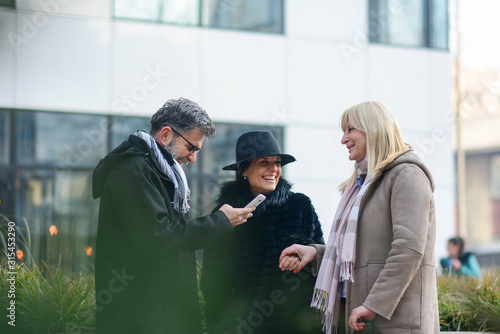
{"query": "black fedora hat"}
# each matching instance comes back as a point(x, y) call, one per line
point(255, 144)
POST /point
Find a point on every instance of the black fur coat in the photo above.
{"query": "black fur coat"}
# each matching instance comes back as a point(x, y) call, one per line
point(244, 289)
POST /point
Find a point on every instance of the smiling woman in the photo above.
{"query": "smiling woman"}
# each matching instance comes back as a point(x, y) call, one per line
point(263, 174)
point(240, 277)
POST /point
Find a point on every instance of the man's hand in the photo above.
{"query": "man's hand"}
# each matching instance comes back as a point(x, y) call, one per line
point(296, 257)
point(359, 315)
point(237, 216)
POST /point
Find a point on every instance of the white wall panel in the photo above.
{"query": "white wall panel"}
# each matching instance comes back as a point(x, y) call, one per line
point(325, 19)
point(64, 65)
point(440, 94)
point(322, 82)
point(151, 64)
point(243, 77)
point(8, 41)
point(400, 78)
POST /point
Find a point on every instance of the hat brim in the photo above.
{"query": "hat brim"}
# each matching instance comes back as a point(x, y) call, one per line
point(285, 159)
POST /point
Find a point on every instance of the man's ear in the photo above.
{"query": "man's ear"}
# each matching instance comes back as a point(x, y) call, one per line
point(165, 136)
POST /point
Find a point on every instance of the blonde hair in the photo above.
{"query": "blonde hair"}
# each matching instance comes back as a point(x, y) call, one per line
point(384, 141)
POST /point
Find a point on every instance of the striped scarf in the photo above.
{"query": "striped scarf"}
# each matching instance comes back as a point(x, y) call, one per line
point(340, 254)
point(174, 172)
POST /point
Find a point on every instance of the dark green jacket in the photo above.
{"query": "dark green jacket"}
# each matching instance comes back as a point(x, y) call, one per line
point(145, 260)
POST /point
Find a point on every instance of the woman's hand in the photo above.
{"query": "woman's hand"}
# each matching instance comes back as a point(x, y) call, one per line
point(358, 315)
point(296, 257)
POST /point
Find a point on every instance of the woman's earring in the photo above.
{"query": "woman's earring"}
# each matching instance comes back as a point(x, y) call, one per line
point(244, 177)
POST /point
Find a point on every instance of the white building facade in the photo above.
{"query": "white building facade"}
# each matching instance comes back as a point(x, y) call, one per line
point(77, 76)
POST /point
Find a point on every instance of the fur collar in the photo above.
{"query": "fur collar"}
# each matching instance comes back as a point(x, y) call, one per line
point(238, 195)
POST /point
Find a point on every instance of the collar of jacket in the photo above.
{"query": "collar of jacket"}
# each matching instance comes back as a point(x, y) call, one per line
point(407, 156)
point(139, 142)
point(240, 195)
point(134, 146)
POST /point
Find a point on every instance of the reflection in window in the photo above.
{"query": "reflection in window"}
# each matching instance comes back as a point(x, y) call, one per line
point(183, 12)
point(439, 24)
point(60, 140)
point(170, 11)
point(255, 15)
point(4, 137)
point(61, 215)
point(7, 3)
point(140, 10)
point(123, 126)
point(417, 23)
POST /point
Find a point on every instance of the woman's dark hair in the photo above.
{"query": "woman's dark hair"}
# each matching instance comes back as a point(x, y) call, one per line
point(240, 169)
point(458, 241)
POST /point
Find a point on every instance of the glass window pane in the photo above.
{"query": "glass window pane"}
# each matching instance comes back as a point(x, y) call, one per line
point(7, 3)
point(61, 215)
point(122, 127)
point(255, 15)
point(439, 24)
point(141, 10)
point(184, 12)
point(60, 140)
point(4, 138)
point(398, 22)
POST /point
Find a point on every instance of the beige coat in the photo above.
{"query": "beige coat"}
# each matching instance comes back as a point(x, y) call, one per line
point(394, 273)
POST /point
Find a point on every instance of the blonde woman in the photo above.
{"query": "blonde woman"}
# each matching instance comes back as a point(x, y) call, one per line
point(377, 272)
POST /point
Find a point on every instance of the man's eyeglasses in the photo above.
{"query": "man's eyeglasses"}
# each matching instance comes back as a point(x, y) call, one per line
point(193, 148)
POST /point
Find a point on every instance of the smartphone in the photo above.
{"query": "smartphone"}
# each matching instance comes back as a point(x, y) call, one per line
point(256, 201)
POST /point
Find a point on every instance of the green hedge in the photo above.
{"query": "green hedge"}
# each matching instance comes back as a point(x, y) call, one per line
point(469, 304)
point(49, 301)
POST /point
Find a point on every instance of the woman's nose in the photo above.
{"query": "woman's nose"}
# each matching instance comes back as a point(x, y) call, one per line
point(344, 139)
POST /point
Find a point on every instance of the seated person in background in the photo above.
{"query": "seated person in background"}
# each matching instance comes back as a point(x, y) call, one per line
point(460, 263)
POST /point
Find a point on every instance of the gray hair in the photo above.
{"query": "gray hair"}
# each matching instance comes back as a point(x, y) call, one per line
point(183, 115)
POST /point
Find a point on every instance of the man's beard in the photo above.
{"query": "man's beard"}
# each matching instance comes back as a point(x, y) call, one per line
point(175, 154)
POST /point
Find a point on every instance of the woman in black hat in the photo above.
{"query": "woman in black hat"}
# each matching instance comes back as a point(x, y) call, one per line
point(244, 289)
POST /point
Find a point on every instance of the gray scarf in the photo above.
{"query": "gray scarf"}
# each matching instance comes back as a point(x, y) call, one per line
point(175, 173)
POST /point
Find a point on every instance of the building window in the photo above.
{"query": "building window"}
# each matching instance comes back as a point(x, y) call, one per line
point(8, 3)
point(79, 140)
point(46, 188)
point(415, 23)
point(252, 15)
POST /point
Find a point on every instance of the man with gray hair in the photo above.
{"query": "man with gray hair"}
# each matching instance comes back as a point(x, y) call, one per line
point(145, 261)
